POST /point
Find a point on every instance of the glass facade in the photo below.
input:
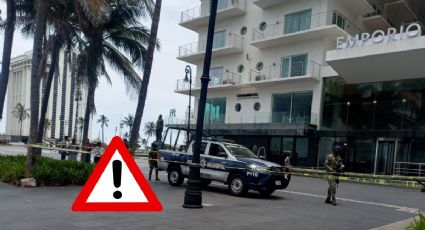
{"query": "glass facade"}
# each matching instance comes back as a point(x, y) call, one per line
point(216, 75)
point(293, 108)
point(392, 105)
point(215, 110)
point(383, 124)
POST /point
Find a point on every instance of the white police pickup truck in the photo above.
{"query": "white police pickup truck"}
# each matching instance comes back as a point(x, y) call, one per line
point(232, 164)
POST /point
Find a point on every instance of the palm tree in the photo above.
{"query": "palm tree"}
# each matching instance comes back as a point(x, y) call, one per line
point(110, 42)
point(103, 120)
point(150, 129)
point(128, 121)
point(20, 113)
point(134, 134)
point(9, 27)
point(47, 125)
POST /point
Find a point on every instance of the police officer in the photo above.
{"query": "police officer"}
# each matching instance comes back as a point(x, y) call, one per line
point(333, 165)
point(153, 161)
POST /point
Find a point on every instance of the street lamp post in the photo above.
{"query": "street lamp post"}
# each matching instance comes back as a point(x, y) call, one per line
point(193, 194)
point(188, 78)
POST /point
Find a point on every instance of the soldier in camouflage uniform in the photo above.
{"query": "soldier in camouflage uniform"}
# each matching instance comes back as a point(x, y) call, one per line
point(153, 161)
point(333, 164)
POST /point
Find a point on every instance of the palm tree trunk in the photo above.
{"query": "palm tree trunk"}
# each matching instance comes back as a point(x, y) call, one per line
point(87, 114)
point(7, 51)
point(40, 29)
point(20, 131)
point(46, 94)
point(134, 134)
point(103, 136)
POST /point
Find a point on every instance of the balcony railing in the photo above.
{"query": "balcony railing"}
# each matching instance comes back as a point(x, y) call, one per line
point(282, 118)
point(229, 78)
point(409, 169)
point(231, 40)
point(297, 69)
point(315, 21)
point(204, 9)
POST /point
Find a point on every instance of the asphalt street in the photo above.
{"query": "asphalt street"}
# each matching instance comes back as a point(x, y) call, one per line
point(301, 206)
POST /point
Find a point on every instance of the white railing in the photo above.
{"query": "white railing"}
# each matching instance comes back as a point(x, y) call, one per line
point(312, 22)
point(231, 40)
point(204, 9)
point(282, 118)
point(229, 78)
point(409, 169)
point(310, 68)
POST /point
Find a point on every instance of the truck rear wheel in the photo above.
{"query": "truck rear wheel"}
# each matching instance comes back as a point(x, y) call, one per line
point(237, 185)
point(175, 176)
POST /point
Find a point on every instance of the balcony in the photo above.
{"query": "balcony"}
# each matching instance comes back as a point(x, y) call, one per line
point(328, 24)
point(376, 21)
point(298, 72)
point(256, 119)
point(402, 10)
point(228, 81)
point(198, 16)
point(195, 52)
point(269, 3)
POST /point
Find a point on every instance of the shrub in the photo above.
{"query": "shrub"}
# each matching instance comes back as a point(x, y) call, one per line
point(417, 224)
point(47, 171)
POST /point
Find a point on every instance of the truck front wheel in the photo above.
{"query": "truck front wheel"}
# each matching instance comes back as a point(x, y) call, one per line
point(237, 185)
point(175, 176)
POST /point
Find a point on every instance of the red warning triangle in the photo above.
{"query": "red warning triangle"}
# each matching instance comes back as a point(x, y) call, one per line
point(135, 193)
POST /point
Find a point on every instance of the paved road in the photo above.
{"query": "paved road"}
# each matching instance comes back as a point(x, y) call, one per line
point(299, 207)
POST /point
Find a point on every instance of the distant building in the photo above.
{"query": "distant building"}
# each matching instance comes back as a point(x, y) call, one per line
point(299, 75)
point(67, 101)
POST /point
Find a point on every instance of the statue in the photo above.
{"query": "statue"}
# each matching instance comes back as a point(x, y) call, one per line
point(159, 128)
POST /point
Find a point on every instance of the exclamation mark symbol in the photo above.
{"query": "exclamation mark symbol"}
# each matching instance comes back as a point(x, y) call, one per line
point(116, 169)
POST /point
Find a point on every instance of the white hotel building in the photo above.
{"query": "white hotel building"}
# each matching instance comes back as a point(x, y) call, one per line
point(67, 101)
point(284, 77)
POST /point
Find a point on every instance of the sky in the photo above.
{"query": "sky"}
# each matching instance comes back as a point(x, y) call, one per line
point(112, 101)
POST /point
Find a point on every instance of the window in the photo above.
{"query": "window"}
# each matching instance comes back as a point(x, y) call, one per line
point(257, 106)
point(215, 110)
point(259, 66)
point(216, 75)
point(294, 66)
point(202, 149)
point(222, 4)
point(294, 108)
point(238, 107)
point(263, 26)
point(241, 68)
point(338, 19)
point(298, 21)
point(215, 150)
point(219, 39)
point(244, 30)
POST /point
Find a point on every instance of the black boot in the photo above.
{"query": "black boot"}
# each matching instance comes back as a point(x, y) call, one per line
point(328, 200)
point(333, 201)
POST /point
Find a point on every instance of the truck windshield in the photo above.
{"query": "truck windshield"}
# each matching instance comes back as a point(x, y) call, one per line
point(240, 151)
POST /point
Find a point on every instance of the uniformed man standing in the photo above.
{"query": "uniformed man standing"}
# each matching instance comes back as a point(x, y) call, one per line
point(333, 165)
point(153, 161)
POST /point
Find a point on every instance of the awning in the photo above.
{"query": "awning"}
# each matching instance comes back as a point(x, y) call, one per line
point(394, 60)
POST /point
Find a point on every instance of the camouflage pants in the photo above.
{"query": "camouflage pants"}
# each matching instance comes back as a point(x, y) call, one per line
point(332, 185)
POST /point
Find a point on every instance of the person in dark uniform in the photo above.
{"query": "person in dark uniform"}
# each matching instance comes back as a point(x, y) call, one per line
point(159, 128)
point(153, 161)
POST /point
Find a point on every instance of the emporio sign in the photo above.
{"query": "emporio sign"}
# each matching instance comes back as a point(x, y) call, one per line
point(406, 32)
